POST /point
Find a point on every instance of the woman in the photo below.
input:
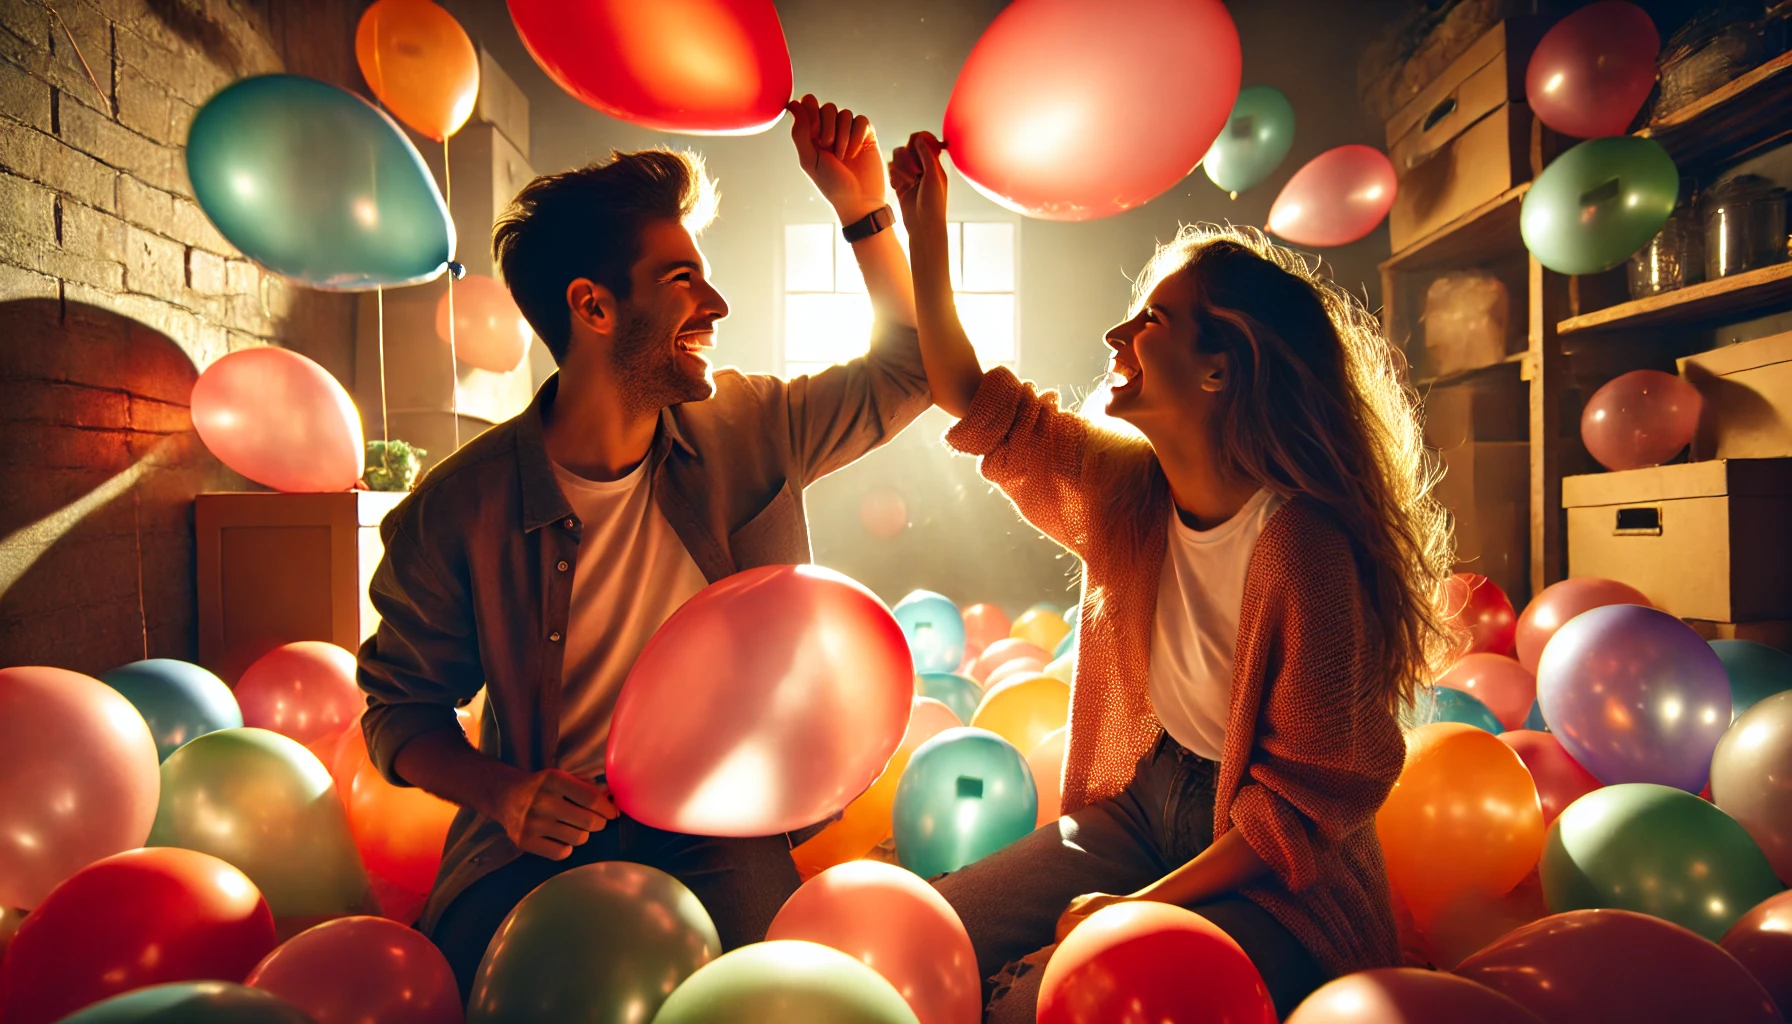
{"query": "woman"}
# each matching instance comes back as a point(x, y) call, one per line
point(1259, 560)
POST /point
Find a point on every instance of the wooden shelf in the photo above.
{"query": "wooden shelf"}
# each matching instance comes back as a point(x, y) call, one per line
point(1727, 299)
point(1447, 379)
point(1487, 231)
point(1734, 120)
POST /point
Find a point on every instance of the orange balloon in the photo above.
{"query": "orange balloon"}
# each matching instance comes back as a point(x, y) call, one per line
point(489, 331)
point(419, 62)
point(399, 830)
point(1463, 819)
point(1047, 764)
point(1024, 711)
point(984, 624)
point(866, 821)
point(1040, 627)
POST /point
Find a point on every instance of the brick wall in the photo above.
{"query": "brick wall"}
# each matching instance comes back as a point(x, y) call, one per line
point(115, 291)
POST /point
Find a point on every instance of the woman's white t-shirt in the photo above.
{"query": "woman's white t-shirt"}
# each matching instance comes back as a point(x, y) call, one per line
point(1199, 596)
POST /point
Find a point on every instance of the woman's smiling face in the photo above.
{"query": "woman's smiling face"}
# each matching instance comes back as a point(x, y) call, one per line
point(1167, 377)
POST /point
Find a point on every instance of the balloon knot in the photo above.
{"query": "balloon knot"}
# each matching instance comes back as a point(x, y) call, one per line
point(457, 270)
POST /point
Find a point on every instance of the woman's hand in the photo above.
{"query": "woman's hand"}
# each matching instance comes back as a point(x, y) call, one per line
point(920, 183)
point(1084, 905)
point(838, 151)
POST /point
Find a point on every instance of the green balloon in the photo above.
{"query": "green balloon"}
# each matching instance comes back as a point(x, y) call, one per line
point(262, 802)
point(192, 1002)
point(1449, 705)
point(953, 690)
point(178, 699)
point(1254, 141)
point(1598, 203)
point(965, 794)
point(598, 944)
point(1756, 672)
point(1654, 850)
point(316, 184)
point(782, 982)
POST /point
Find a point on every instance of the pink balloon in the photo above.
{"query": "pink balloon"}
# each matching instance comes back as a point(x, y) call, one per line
point(1497, 681)
point(1057, 114)
point(362, 970)
point(883, 513)
point(304, 690)
point(1407, 995)
point(766, 703)
point(79, 779)
point(1562, 601)
point(1003, 651)
point(1590, 74)
point(1642, 418)
point(279, 419)
point(1047, 764)
point(1559, 777)
point(899, 926)
point(1009, 671)
point(1337, 198)
point(489, 331)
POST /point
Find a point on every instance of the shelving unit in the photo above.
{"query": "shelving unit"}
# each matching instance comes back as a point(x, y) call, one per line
point(1739, 296)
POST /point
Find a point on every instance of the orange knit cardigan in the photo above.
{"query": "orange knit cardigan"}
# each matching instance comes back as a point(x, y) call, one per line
point(1311, 750)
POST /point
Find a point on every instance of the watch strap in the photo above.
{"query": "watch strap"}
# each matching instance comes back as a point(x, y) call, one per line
point(868, 225)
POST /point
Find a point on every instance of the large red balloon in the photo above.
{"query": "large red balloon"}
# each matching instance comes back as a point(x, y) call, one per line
point(1149, 961)
point(489, 331)
point(1590, 74)
point(362, 970)
point(1406, 995)
point(1337, 198)
point(1562, 601)
point(279, 419)
point(142, 917)
point(1762, 940)
point(705, 67)
point(1477, 604)
point(304, 690)
point(1498, 682)
point(1559, 777)
point(1642, 418)
point(766, 703)
point(1061, 113)
point(78, 778)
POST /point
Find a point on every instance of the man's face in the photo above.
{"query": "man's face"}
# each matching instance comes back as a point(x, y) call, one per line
point(667, 324)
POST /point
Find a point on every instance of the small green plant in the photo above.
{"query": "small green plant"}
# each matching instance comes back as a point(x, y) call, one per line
point(393, 465)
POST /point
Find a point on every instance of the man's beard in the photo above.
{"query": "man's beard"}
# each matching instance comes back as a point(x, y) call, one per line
point(648, 373)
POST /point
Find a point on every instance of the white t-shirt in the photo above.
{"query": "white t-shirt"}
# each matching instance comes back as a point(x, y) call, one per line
point(1199, 597)
point(632, 573)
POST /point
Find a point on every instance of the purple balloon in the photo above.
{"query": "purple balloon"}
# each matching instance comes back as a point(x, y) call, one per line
point(1635, 696)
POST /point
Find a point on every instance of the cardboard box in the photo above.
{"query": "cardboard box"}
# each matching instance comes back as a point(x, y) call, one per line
point(1486, 487)
point(1702, 540)
point(1493, 408)
point(502, 103)
point(1748, 399)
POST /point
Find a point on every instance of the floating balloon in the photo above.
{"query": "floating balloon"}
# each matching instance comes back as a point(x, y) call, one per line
point(1337, 198)
point(1559, 777)
point(1255, 139)
point(1042, 627)
point(1591, 72)
point(1560, 602)
point(418, 60)
point(78, 780)
point(965, 794)
point(178, 699)
point(1751, 778)
point(136, 918)
point(1477, 604)
point(314, 183)
point(1406, 995)
point(1046, 117)
point(897, 925)
point(1046, 763)
point(1641, 418)
point(1756, 671)
point(1025, 711)
point(489, 331)
point(1450, 705)
point(1149, 961)
point(601, 942)
point(193, 1002)
point(279, 419)
point(399, 830)
point(1613, 965)
point(1762, 940)
point(1463, 818)
point(263, 803)
point(703, 67)
point(785, 980)
point(952, 690)
point(1003, 651)
point(883, 513)
point(934, 629)
point(984, 624)
point(766, 703)
point(305, 690)
point(1635, 695)
point(362, 970)
point(1499, 683)
point(1597, 203)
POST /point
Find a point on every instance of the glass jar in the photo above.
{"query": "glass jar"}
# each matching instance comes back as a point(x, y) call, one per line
point(1673, 259)
point(1745, 225)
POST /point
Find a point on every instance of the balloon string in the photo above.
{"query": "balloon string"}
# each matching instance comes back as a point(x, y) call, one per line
point(453, 363)
point(385, 430)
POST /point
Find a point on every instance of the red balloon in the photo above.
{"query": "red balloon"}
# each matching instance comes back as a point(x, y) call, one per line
point(1337, 198)
point(1642, 418)
point(704, 67)
point(279, 419)
point(766, 703)
point(1560, 602)
point(400, 830)
point(1149, 961)
point(362, 970)
point(1497, 681)
point(1406, 995)
point(1559, 777)
point(304, 690)
point(1590, 74)
point(142, 917)
point(489, 331)
point(1477, 604)
point(1003, 651)
point(1615, 965)
point(1762, 940)
point(1057, 115)
point(985, 624)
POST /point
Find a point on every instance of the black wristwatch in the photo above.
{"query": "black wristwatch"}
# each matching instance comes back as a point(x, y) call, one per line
point(869, 225)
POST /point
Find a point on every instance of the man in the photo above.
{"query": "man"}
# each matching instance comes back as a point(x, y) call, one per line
point(539, 559)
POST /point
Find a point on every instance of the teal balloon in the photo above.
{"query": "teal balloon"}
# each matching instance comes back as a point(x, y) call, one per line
point(316, 184)
point(1254, 141)
point(934, 628)
point(1455, 706)
point(953, 690)
point(784, 981)
point(1066, 645)
point(178, 699)
point(1598, 203)
point(1756, 671)
point(1534, 721)
point(192, 1002)
point(965, 794)
point(1654, 850)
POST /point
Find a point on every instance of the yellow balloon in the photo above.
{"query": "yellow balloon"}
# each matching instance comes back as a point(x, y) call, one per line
point(1040, 627)
point(1025, 710)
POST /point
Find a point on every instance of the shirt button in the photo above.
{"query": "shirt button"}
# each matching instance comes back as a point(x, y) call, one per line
point(562, 566)
point(568, 523)
point(554, 636)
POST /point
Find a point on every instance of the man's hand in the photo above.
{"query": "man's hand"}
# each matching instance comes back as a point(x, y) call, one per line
point(920, 183)
point(839, 153)
point(1084, 905)
point(549, 812)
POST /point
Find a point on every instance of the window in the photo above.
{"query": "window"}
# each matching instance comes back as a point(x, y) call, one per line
point(827, 315)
